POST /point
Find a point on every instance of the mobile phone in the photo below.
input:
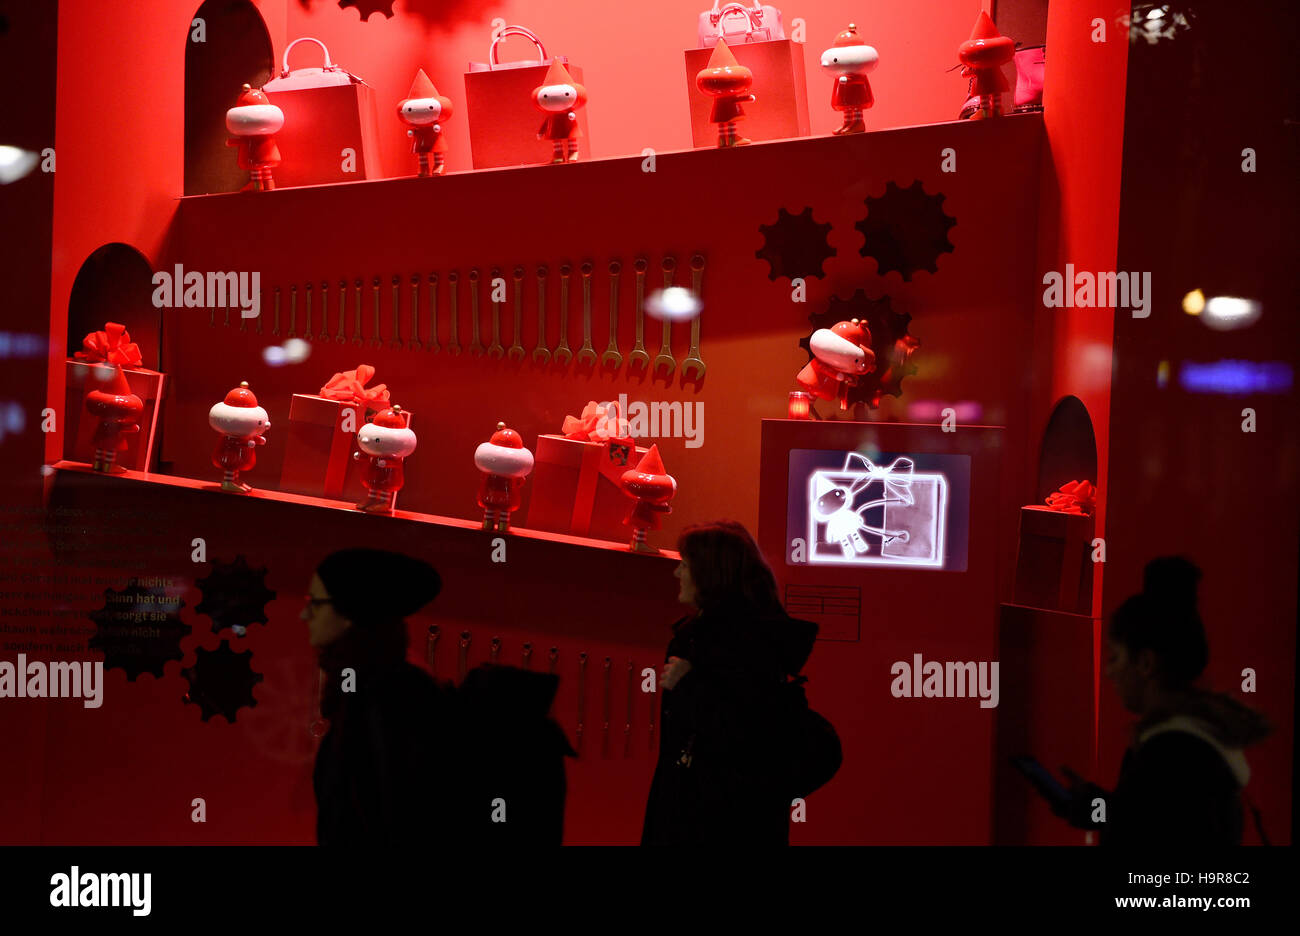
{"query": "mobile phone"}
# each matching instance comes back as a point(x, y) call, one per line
point(1047, 785)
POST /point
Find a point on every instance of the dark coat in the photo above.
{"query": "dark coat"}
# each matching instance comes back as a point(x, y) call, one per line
point(717, 777)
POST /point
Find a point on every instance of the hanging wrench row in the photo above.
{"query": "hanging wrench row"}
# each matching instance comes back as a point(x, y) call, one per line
point(318, 308)
point(608, 717)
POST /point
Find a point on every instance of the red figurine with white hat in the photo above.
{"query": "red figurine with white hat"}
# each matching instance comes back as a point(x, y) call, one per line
point(118, 411)
point(385, 443)
point(728, 83)
point(253, 123)
point(560, 97)
point(505, 463)
point(983, 56)
point(841, 354)
point(423, 110)
point(850, 59)
point(653, 488)
point(241, 423)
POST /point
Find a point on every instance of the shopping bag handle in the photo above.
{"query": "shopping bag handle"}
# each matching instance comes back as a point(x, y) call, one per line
point(754, 13)
point(515, 31)
point(329, 66)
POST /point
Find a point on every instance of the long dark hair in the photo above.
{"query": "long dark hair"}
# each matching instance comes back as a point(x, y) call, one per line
point(1164, 619)
point(727, 569)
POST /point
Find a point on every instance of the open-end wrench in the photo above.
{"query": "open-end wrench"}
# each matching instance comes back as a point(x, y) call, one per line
point(693, 365)
point(605, 711)
point(494, 650)
point(475, 345)
point(496, 349)
point(275, 324)
point(341, 335)
point(552, 660)
point(627, 727)
point(293, 312)
point(612, 356)
point(376, 338)
point(638, 355)
point(356, 312)
point(431, 647)
point(261, 305)
point(462, 662)
point(528, 654)
point(586, 354)
point(516, 352)
point(453, 335)
point(306, 332)
point(396, 342)
point(433, 314)
point(541, 353)
point(243, 322)
point(324, 312)
point(413, 343)
point(582, 683)
point(665, 357)
point(562, 353)
point(226, 323)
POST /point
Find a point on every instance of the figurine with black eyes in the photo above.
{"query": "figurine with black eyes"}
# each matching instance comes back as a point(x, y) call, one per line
point(423, 110)
point(850, 60)
point(560, 97)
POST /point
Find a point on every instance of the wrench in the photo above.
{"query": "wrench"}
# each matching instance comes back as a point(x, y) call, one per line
point(693, 362)
point(396, 343)
point(496, 349)
point(612, 355)
point(586, 354)
point(413, 343)
point(227, 312)
point(494, 652)
point(433, 313)
point(541, 353)
point(638, 354)
point(340, 336)
point(475, 345)
point(275, 325)
point(293, 312)
point(356, 306)
point(605, 709)
point(260, 307)
point(306, 332)
point(516, 352)
point(528, 654)
point(324, 312)
point(563, 347)
point(453, 337)
point(627, 728)
point(243, 322)
point(376, 339)
point(665, 357)
point(582, 678)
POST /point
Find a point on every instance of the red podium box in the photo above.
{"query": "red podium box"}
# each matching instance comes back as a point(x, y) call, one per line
point(1054, 564)
point(575, 487)
point(79, 426)
point(780, 109)
point(318, 450)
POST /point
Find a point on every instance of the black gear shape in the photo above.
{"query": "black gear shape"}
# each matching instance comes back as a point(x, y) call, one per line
point(890, 341)
point(367, 7)
point(795, 245)
point(906, 230)
point(221, 681)
point(139, 630)
point(234, 596)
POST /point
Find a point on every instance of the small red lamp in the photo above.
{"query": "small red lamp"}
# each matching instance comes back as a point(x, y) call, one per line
point(800, 405)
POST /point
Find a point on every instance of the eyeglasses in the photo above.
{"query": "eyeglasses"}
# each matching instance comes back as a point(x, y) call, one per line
point(311, 602)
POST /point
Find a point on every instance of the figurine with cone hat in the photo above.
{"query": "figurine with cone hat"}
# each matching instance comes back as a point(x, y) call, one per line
point(983, 56)
point(505, 463)
point(241, 422)
point(728, 83)
point(385, 442)
point(850, 60)
point(559, 96)
point(118, 411)
point(423, 110)
point(253, 123)
point(652, 487)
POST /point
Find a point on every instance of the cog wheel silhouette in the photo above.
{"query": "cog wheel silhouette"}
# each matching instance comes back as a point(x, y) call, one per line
point(795, 245)
point(367, 7)
point(906, 230)
point(890, 340)
point(139, 629)
point(221, 681)
point(234, 596)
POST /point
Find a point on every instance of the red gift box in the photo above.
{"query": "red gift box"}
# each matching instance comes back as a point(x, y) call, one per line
point(318, 448)
point(79, 425)
point(499, 110)
point(1054, 564)
point(575, 486)
point(780, 90)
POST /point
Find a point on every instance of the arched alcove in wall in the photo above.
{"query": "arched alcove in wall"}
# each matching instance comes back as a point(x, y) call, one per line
point(236, 50)
point(115, 284)
point(1069, 448)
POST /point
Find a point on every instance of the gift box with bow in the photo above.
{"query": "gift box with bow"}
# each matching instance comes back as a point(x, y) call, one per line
point(1054, 561)
point(85, 372)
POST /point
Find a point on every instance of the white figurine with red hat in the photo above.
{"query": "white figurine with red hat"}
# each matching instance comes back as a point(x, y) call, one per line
point(385, 443)
point(850, 60)
point(118, 411)
point(505, 463)
point(560, 97)
point(423, 110)
point(841, 355)
point(253, 123)
point(241, 423)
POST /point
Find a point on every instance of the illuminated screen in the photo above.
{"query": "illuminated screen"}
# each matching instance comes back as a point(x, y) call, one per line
point(900, 509)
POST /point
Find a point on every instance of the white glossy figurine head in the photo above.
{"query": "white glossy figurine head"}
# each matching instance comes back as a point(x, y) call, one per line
point(504, 454)
point(387, 436)
point(850, 55)
point(239, 415)
point(846, 346)
point(253, 114)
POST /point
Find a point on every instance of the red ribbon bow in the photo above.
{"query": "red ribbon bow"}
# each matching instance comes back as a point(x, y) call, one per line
point(1074, 497)
point(595, 424)
point(350, 387)
point(113, 345)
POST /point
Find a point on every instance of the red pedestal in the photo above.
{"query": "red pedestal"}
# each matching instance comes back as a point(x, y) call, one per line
point(780, 109)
